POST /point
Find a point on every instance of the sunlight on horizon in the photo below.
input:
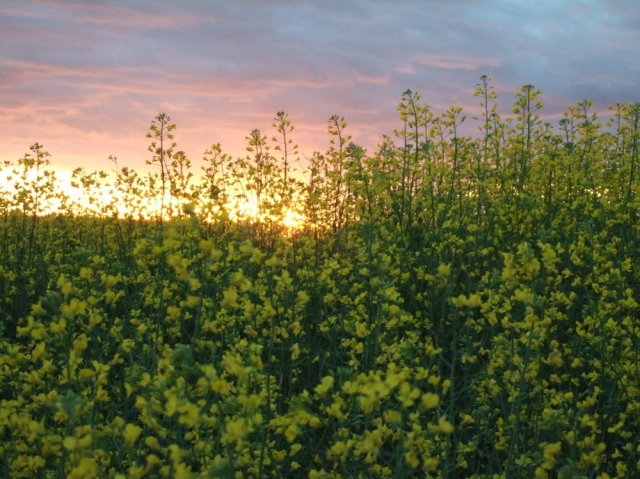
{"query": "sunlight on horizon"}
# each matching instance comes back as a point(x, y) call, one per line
point(100, 197)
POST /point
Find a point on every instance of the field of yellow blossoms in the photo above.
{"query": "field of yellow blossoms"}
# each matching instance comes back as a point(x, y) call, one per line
point(448, 306)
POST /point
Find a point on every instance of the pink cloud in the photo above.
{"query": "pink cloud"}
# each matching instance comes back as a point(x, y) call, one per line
point(108, 14)
point(455, 61)
point(379, 80)
point(405, 68)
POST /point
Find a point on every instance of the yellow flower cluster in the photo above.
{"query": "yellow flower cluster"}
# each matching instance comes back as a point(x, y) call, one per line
point(451, 308)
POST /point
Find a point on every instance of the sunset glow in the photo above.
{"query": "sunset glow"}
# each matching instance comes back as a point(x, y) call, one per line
point(105, 200)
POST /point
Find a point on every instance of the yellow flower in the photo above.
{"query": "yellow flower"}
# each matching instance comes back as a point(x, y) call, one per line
point(192, 300)
point(430, 401)
point(434, 380)
point(127, 345)
point(549, 257)
point(335, 409)
point(550, 452)
point(272, 262)
point(182, 471)
point(86, 273)
point(411, 458)
point(443, 427)
point(392, 417)
point(136, 472)
point(101, 394)
point(70, 443)
point(39, 352)
point(173, 312)
point(189, 414)
point(175, 452)
point(541, 473)
point(315, 474)
point(37, 309)
point(216, 254)
point(295, 351)
point(58, 327)
point(80, 343)
point(371, 444)
point(171, 406)
point(407, 395)
point(467, 419)
point(86, 469)
point(523, 295)
point(240, 280)
point(368, 402)
point(291, 432)
point(446, 385)
point(152, 442)
point(65, 285)
point(444, 270)
point(323, 388)
point(206, 246)
point(221, 386)
point(339, 448)
point(279, 455)
point(230, 297)
point(246, 248)
point(303, 297)
point(256, 256)
point(235, 431)
point(475, 301)
point(131, 433)
point(361, 329)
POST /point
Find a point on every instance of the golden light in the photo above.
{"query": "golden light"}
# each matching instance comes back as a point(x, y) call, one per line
point(242, 209)
point(293, 220)
point(103, 198)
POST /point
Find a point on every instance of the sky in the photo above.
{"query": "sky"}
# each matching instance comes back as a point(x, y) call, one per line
point(86, 78)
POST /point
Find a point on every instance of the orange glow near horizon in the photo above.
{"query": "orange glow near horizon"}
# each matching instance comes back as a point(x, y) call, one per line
point(103, 199)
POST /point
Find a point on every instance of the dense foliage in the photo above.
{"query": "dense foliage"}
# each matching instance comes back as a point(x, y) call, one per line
point(450, 307)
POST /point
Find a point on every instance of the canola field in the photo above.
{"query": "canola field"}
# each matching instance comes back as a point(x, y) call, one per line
point(447, 307)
